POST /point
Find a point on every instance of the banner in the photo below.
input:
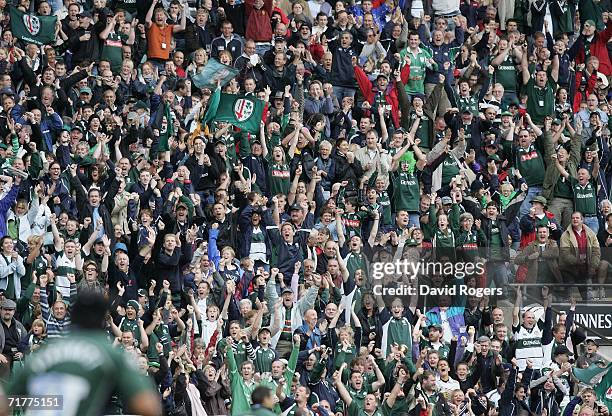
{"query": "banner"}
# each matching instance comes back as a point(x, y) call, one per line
point(590, 375)
point(604, 389)
point(165, 134)
point(592, 317)
point(244, 112)
point(31, 28)
point(213, 72)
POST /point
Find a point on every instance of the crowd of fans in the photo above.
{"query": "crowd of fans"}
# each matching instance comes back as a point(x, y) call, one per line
point(239, 263)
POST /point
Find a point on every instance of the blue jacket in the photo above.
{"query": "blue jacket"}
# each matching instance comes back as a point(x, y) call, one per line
point(246, 231)
point(50, 125)
point(5, 204)
point(442, 54)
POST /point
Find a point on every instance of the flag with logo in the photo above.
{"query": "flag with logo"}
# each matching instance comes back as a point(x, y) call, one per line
point(214, 72)
point(166, 130)
point(242, 111)
point(604, 389)
point(31, 28)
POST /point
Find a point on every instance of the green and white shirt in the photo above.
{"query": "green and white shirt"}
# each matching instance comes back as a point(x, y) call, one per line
point(87, 366)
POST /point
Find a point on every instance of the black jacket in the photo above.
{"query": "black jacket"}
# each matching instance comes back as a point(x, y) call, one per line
point(107, 203)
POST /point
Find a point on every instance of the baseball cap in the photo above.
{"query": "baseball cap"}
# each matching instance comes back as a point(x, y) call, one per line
point(494, 157)
point(287, 290)
point(295, 207)
point(142, 292)
point(446, 200)
point(85, 90)
point(593, 341)
point(85, 13)
point(435, 326)
point(120, 246)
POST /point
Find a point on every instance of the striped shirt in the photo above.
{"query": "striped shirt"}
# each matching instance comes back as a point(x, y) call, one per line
point(56, 328)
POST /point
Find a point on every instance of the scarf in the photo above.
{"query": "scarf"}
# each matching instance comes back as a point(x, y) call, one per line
point(196, 403)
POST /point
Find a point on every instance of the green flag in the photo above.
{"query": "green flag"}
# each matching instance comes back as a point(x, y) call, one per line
point(31, 28)
point(212, 73)
point(604, 389)
point(213, 105)
point(589, 375)
point(164, 134)
point(242, 111)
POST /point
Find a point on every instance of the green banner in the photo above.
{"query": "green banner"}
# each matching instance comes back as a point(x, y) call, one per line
point(165, 134)
point(244, 112)
point(604, 389)
point(31, 28)
point(213, 72)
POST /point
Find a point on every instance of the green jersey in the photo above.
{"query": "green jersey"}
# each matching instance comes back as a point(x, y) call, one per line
point(423, 131)
point(406, 192)
point(85, 370)
point(241, 390)
point(384, 201)
point(419, 62)
point(585, 197)
point(399, 408)
point(540, 101)
point(279, 178)
point(506, 74)
point(355, 409)
point(230, 142)
point(450, 169)
point(531, 165)
point(354, 262)
point(112, 51)
point(130, 325)
point(352, 222)
point(563, 189)
point(263, 359)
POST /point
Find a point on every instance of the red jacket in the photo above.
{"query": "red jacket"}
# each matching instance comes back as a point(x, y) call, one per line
point(527, 238)
point(591, 82)
point(599, 49)
point(365, 85)
point(258, 25)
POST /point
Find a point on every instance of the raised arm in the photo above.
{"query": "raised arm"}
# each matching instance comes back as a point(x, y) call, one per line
point(560, 168)
point(184, 10)
point(516, 320)
point(149, 16)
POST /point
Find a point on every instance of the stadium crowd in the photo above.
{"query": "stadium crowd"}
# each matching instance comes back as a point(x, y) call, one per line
point(238, 264)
